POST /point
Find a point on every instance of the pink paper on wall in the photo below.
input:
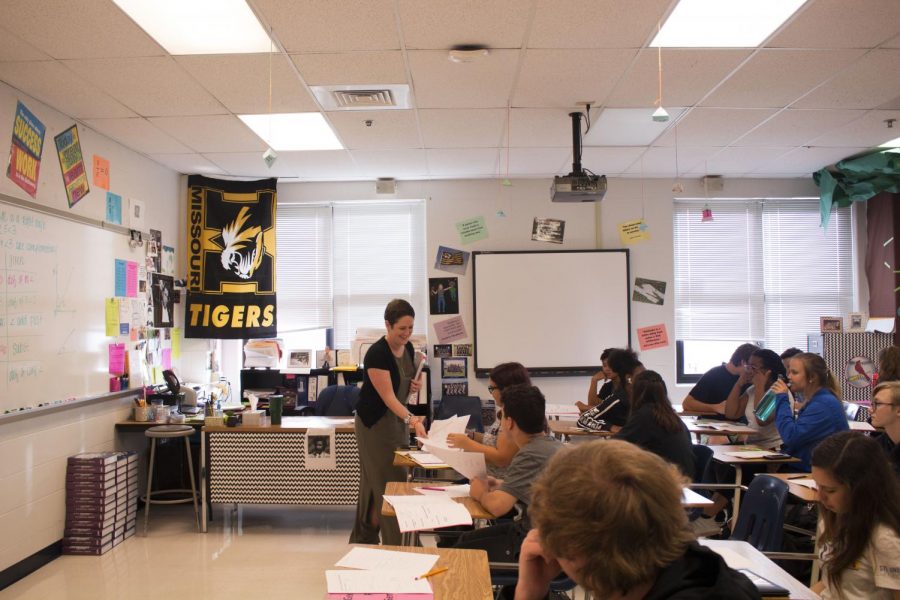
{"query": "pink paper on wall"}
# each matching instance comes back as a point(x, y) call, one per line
point(131, 278)
point(167, 358)
point(450, 330)
point(652, 337)
point(117, 359)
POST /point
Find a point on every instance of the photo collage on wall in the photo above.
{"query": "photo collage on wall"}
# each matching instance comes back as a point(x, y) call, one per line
point(444, 299)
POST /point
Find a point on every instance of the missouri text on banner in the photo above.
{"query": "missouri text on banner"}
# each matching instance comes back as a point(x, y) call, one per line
point(231, 259)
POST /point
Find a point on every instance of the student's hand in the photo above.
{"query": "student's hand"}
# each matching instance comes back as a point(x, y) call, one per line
point(536, 569)
point(745, 378)
point(459, 440)
point(581, 406)
point(598, 376)
point(478, 488)
point(780, 387)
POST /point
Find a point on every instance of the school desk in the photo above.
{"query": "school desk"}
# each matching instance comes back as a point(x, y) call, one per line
point(742, 555)
point(567, 429)
point(720, 454)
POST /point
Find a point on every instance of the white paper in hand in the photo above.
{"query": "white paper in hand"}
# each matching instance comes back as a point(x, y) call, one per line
point(470, 464)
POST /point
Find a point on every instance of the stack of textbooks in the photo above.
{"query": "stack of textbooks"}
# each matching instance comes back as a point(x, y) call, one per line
point(101, 501)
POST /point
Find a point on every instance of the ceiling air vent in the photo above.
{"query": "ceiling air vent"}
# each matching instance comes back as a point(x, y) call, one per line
point(362, 97)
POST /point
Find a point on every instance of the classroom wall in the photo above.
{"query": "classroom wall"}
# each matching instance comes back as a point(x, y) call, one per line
point(34, 449)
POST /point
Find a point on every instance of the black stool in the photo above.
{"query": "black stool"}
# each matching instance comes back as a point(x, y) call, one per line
point(162, 432)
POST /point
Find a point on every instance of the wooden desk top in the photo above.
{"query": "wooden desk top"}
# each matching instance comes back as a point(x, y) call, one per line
point(398, 488)
point(558, 428)
point(741, 555)
point(799, 491)
point(402, 460)
point(468, 577)
point(720, 454)
point(132, 425)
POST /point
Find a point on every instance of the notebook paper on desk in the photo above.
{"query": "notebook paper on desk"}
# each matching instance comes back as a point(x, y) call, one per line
point(419, 513)
point(373, 559)
point(449, 491)
point(376, 582)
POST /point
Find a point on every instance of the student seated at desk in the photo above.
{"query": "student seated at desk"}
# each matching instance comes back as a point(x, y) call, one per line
point(886, 415)
point(523, 422)
point(498, 449)
point(611, 413)
point(859, 530)
point(716, 384)
point(653, 424)
point(619, 531)
point(821, 414)
point(593, 396)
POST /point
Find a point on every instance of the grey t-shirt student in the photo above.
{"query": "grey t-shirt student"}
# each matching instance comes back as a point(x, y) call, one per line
point(525, 467)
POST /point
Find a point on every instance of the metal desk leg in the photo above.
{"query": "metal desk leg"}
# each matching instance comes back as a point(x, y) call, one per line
point(736, 503)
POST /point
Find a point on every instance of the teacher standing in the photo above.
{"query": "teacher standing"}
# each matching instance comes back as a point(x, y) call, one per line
point(382, 421)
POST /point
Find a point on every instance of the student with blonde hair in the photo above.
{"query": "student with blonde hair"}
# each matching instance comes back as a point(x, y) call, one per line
point(619, 530)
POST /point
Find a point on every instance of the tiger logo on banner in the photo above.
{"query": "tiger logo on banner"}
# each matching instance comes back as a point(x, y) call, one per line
point(231, 259)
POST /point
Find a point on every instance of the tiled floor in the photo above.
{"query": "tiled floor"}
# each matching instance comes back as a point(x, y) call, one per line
point(261, 552)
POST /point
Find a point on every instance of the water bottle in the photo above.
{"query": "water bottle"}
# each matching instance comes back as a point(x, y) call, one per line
point(767, 403)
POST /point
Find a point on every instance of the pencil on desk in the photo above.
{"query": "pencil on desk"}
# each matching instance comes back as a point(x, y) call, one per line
point(436, 571)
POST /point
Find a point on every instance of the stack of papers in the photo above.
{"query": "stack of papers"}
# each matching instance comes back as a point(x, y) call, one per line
point(810, 483)
point(381, 574)
point(440, 429)
point(724, 426)
point(470, 464)
point(426, 459)
point(425, 512)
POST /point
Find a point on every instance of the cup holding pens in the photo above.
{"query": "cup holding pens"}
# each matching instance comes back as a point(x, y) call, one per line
point(141, 414)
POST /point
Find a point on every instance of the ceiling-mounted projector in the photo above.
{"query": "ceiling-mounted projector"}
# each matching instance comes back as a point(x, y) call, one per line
point(580, 185)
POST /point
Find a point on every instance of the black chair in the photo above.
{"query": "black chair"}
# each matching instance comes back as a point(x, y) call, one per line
point(461, 405)
point(761, 520)
point(337, 401)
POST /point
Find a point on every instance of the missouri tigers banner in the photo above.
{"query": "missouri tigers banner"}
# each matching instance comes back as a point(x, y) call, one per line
point(231, 259)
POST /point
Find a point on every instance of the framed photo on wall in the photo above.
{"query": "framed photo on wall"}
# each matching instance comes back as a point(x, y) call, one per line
point(299, 359)
point(831, 324)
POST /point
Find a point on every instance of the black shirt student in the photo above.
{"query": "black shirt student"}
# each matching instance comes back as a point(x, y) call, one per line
point(713, 388)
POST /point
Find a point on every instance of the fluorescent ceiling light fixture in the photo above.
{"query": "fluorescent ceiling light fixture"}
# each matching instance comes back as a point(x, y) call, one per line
point(894, 143)
point(199, 26)
point(723, 23)
point(293, 131)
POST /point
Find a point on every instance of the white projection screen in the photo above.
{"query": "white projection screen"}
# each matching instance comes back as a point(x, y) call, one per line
point(554, 312)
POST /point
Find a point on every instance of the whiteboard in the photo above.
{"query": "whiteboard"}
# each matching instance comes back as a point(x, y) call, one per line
point(554, 312)
point(56, 274)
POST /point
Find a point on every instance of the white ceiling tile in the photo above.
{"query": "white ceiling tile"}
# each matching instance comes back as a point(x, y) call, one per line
point(319, 165)
point(351, 68)
point(867, 83)
point(138, 134)
point(610, 160)
point(562, 78)
point(439, 83)
point(628, 127)
point(241, 82)
point(400, 164)
point(390, 129)
point(12, 47)
point(735, 161)
point(457, 128)
point(894, 43)
point(152, 87)
point(688, 75)
point(536, 162)
point(541, 127)
point(211, 133)
point(189, 164)
point(437, 24)
point(77, 28)
point(592, 24)
point(331, 25)
point(660, 161)
point(810, 159)
point(467, 162)
point(714, 126)
point(840, 24)
point(797, 127)
point(55, 85)
point(775, 78)
point(866, 132)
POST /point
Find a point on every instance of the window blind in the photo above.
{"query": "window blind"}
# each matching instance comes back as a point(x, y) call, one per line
point(761, 270)
point(379, 254)
point(303, 267)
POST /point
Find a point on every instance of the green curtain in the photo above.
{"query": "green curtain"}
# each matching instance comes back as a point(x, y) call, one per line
point(856, 179)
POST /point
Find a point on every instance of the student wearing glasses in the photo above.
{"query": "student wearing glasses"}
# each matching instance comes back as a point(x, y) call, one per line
point(886, 415)
point(498, 449)
point(859, 526)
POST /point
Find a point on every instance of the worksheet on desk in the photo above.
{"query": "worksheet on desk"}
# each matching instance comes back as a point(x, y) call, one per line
point(373, 559)
point(375, 582)
point(418, 513)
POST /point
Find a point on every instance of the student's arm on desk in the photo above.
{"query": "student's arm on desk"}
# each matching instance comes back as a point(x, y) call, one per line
point(693, 405)
point(491, 497)
point(536, 569)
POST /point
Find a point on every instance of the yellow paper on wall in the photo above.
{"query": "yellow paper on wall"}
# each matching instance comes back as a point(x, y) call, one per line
point(633, 231)
point(176, 342)
point(112, 317)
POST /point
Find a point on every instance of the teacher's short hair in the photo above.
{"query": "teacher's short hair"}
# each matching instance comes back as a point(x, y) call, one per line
point(397, 309)
point(621, 512)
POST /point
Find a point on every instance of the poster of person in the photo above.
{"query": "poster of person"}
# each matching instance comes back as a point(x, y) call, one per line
point(649, 291)
point(443, 296)
point(163, 295)
point(548, 230)
point(455, 388)
point(319, 450)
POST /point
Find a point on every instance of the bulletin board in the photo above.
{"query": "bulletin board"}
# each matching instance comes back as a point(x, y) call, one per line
point(554, 312)
point(56, 272)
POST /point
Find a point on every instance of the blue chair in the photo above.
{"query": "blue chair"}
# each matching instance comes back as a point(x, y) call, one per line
point(337, 401)
point(761, 520)
point(461, 405)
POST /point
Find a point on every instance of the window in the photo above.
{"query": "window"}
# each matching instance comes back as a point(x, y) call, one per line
point(761, 271)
